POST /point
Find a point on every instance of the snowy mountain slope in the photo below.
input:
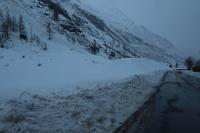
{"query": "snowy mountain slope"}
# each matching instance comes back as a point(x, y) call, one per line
point(52, 82)
point(68, 60)
point(110, 35)
point(114, 17)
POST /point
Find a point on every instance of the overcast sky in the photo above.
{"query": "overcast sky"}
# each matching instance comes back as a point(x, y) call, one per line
point(176, 20)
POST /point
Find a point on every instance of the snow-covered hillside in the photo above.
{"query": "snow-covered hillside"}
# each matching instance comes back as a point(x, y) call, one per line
point(23, 70)
point(66, 66)
point(107, 33)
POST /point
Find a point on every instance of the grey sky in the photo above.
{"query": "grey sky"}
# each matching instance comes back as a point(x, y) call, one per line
point(176, 20)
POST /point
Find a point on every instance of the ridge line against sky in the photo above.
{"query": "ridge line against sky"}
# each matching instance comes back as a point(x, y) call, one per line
point(176, 20)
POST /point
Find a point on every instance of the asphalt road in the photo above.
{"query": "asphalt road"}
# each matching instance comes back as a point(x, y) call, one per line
point(176, 108)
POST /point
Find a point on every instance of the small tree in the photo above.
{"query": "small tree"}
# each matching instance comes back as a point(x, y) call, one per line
point(13, 24)
point(2, 28)
point(6, 22)
point(6, 27)
point(1, 38)
point(1, 15)
point(55, 14)
point(189, 62)
point(22, 32)
point(112, 55)
point(49, 31)
point(93, 48)
point(45, 47)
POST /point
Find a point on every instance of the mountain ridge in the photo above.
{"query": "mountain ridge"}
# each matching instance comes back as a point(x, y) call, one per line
point(90, 29)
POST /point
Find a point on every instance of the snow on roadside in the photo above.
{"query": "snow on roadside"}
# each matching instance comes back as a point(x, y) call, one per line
point(39, 90)
point(100, 109)
point(195, 74)
point(45, 72)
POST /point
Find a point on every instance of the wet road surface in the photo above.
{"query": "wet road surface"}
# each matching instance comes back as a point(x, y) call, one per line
point(176, 109)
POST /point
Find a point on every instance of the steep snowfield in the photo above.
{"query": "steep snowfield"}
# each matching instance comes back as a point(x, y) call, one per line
point(23, 70)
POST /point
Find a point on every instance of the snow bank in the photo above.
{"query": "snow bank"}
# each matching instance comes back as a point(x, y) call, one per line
point(100, 109)
point(195, 74)
point(53, 70)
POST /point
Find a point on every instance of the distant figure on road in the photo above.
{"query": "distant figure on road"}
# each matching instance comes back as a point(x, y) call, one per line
point(177, 65)
point(177, 72)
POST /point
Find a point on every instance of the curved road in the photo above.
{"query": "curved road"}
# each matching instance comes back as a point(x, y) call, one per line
point(176, 109)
